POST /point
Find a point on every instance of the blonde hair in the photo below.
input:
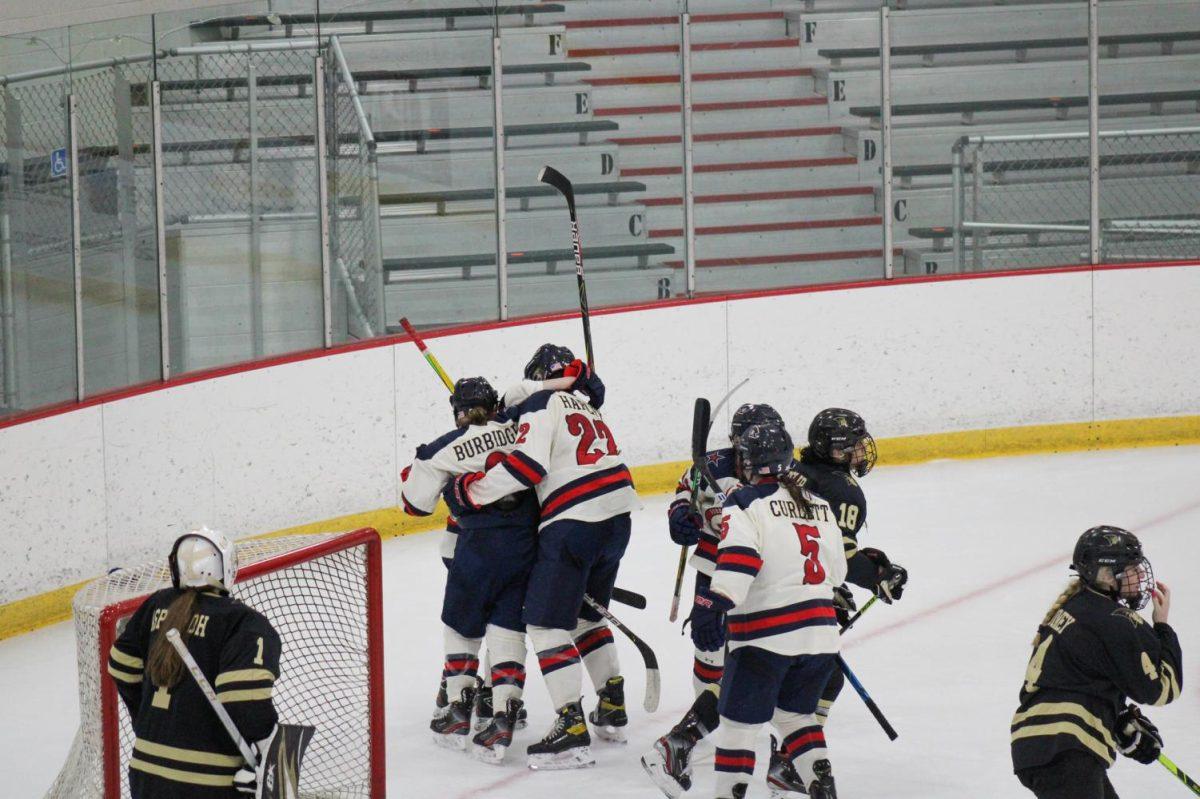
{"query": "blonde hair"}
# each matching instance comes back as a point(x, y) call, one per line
point(1073, 588)
point(163, 665)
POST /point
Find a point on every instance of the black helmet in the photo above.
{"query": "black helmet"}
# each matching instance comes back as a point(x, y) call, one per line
point(1116, 549)
point(764, 450)
point(840, 437)
point(473, 392)
point(549, 361)
point(749, 414)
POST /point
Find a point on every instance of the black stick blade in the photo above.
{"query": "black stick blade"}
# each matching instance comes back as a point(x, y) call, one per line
point(552, 177)
point(700, 424)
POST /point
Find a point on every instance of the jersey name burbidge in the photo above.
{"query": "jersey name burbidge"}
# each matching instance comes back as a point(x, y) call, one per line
point(490, 440)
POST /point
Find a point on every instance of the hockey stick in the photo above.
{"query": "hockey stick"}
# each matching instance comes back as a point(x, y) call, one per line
point(420, 342)
point(1178, 772)
point(205, 688)
point(552, 177)
point(653, 680)
point(717, 410)
point(700, 426)
point(631, 598)
point(867, 700)
point(854, 618)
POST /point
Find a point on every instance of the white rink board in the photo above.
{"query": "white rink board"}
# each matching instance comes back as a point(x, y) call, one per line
point(272, 448)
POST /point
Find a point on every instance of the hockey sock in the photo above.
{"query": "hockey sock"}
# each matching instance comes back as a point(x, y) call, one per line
point(594, 640)
point(803, 741)
point(507, 648)
point(707, 670)
point(823, 711)
point(485, 673)
point(735, 754)
point(462, 662)
point(559, 661)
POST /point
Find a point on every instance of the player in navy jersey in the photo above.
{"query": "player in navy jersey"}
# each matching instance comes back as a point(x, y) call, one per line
point(567, 453)
point(696, 520)
point(1092, 654)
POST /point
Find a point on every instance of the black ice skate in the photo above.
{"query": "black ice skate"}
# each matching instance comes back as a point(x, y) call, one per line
point(739, 791)
point(668, 762)
point(609, 716)
point(822, 787)
point(441, 701)
point(567, 745)
point(483, 705)
point(496, 737)
point(450, 728)
point(782, 778)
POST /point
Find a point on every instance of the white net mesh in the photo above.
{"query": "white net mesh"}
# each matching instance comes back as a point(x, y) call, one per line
point(314, 590)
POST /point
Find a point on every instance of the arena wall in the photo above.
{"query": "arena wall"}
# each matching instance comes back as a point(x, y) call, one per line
point(965, 366)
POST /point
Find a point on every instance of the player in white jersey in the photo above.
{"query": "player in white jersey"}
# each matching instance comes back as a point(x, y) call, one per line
point(780, 557)
point(567, 453)
point(696, 520)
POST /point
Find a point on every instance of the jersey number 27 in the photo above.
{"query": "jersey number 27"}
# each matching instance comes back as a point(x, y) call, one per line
point(814, 572)
point(588, 431)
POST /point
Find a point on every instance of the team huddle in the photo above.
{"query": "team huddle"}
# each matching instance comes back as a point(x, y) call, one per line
point(540, 503)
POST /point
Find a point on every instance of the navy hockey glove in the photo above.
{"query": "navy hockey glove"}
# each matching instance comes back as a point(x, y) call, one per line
point(1136, 737)
point(456, 496)
point(684, 524)
point(708, 620)
point(843, 604)
point(890, 578)
point(586, 381)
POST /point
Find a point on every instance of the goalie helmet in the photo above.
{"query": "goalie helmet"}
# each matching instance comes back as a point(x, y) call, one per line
point(203, 558)
point(763, 450)
point(839, 436)
point(473, 392)
point(549, 361)
point(750, 414)
point(1120, 551)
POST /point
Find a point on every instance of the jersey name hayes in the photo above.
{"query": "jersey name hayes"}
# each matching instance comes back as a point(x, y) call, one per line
point(789, 509)
point(493, 439)
point(196, 626)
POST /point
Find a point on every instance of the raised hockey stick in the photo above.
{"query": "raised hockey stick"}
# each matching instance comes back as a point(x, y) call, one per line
point(850, 622)
point(1178, 772)
point(700, 426)
point(717, 410)
point(653, 680)
point(429, 356)
point(867, 700)
point(552, 177)
point(205, 688)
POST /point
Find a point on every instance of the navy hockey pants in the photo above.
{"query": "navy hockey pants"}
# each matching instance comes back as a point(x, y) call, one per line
point(757, 681)
point(1070, 775)
point(487, 580)
point(574, 558)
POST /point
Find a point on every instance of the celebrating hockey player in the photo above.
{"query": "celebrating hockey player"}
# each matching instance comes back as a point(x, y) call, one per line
point(566, 451)
point(181, 749)
point(696, 520)
point(1094, 652)
point(485, 586)
point(779, 559)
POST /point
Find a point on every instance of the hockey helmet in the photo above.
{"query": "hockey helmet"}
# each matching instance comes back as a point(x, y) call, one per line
point(203, 558)
point(1120, 551)
point(839, 436)
point(473, 392)
point(549, 361)
point(752, 413)
point(763, 450)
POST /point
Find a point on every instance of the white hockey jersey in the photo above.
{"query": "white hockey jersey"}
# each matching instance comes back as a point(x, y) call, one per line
point(779, 565)
point(720, 464)
point(567, 453)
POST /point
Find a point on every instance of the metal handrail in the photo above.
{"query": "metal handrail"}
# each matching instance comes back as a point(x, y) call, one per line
point(1019, 227)
point(1082, 134)
point(348, 77)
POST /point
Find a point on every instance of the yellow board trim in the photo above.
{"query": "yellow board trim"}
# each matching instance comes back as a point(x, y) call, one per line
point(40, 610)
point(247, 695)
point(1067, 728)
point(244, 675)
point(125, 660)
point(187, 755)
point(176, 775)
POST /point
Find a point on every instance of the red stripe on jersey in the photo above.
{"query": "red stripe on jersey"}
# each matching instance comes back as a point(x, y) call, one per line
point(583, 489)
point(518, 465)
point(741, 627)
point(707, 546)
point(739, 559)
point(411, 509)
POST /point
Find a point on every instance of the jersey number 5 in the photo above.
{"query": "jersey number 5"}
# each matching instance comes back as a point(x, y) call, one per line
point(588, 431)
point(814, 572)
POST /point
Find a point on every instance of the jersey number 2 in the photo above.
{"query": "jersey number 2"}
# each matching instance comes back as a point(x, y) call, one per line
point(814, 572)
point(588, 431)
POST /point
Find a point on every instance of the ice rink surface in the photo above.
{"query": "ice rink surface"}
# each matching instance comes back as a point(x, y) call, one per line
point(986, 543)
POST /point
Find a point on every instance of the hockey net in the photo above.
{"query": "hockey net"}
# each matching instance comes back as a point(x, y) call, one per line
point(322, 595)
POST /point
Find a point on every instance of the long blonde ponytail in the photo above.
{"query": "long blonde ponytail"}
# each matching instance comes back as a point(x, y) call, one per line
point(1071, 590)
point(163, 665)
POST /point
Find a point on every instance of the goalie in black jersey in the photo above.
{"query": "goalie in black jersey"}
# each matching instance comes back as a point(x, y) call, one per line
point(1094, 652)
point(181, 749)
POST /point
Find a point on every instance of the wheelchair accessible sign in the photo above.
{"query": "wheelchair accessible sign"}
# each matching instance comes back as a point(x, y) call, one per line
point(58, 163)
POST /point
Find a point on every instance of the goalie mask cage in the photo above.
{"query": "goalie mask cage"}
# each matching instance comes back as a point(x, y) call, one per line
point(322, 593)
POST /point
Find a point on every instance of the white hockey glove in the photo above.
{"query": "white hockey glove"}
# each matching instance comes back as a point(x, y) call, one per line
point(250, 782)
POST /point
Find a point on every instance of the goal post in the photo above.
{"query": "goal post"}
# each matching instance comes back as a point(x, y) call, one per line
point(323, 595)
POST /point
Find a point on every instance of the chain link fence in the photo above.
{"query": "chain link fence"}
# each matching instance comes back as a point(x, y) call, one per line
point(1025, 200)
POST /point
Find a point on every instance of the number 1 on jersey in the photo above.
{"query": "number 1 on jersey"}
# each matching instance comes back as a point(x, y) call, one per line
point(814, 572)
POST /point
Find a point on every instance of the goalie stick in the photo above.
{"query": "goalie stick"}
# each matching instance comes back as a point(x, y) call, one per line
point(653, 680)
point(552, 177)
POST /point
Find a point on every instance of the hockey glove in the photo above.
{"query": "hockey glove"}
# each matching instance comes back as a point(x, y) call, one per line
point(843, 604)
point(458, 500)
point(250, 781)
point(890, 578)
point(708, 620)
point(1136, 737)
point(683, 523)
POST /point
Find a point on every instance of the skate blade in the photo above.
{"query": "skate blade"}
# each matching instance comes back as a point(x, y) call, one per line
point(614, 735)
point(493, 756)
point(579, 757)
point(656, 770)
point(453, 742)
point(778, 792)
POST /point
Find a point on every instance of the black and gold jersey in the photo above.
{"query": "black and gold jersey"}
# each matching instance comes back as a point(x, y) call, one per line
point(181, 746)
point(1090, 658)
point(845, 496)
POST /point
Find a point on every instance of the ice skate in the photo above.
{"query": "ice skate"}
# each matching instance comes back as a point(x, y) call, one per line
point(493, 741)
point(668, 763)
point(738, 792)
point(566, 745)
point(440, 702)
point(782, 778)
point(483, 706)
point(609, 716)
point(822, 786)
point(450, 728)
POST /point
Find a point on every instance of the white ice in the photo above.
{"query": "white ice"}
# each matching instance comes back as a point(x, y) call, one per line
point(986, 543)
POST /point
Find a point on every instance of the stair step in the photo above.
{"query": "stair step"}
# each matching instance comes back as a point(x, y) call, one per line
point(795, 163)
point(701, 47)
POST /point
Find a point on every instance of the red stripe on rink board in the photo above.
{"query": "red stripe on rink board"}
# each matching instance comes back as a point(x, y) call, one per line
point(702, 77)
point(652, 49)
point(771, 227)
point(737, 105)
point(764, 196)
